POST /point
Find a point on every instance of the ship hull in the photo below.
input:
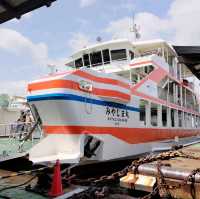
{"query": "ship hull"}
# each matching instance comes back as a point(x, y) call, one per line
point(81, 125)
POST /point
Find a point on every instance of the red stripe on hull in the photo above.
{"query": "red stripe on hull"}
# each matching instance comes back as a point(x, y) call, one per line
point(88, 76)
point(129, 135)
point(75, 86)
point(104, 80)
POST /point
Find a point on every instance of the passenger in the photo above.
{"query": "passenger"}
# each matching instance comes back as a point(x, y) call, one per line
point(21, 124)
point(29, 121)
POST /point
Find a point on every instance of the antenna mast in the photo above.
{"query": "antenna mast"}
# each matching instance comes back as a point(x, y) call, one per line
point(135, 29)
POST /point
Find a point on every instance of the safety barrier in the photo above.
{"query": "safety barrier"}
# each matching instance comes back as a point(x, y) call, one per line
point(18, 130)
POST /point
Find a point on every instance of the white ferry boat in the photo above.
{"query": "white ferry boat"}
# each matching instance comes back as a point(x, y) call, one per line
point(116, 100)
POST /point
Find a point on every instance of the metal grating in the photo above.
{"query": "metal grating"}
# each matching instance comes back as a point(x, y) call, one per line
point(10, 9)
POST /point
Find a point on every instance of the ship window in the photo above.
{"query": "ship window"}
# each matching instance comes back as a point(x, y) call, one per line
point(172, 117)
point(86, 60)
point(131, 54)
point(142, 112)
point(118, 54)
point(148, 69)
point(134, 78)
point(106, 56)
point(78, 63)
point(179, 118)
point(196, 121)
point(164, 115)
point(154, 114)
point(96, 58)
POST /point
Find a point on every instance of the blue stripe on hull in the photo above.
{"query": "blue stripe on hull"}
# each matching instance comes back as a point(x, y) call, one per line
point(71, 97)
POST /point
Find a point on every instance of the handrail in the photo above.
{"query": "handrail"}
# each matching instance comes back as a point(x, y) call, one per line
point(8, 124)
point(16, 128)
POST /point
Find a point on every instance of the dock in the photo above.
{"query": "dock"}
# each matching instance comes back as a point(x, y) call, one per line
point(171, 174)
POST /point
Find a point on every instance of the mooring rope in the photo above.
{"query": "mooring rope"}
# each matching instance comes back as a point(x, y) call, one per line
point(18, 185)
point(23, 173)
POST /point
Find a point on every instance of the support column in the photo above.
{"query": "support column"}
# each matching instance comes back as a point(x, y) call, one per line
point(148, 113)
point(176, 118)
point(169, 124)
point(159, 115)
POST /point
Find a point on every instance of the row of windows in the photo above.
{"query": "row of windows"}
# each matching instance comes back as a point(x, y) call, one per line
point(171, 91)
point(168, 117)
point(102, 57)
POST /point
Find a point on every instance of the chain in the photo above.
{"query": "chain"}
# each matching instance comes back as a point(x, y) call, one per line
point(191, 178)
point(96, 190)
point(135, 164)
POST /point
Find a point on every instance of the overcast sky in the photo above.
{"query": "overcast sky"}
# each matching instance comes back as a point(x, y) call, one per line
point(50, 35)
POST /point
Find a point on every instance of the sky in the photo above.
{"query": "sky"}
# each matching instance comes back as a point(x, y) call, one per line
point(50, 35)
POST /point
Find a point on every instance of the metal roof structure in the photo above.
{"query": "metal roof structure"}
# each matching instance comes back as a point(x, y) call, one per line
point(190, 56)
point(10, 9)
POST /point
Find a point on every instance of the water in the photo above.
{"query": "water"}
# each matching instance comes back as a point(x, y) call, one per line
point(8, 149)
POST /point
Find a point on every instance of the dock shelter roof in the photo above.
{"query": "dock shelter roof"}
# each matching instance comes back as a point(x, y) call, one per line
point(10, 9)
point(190, 56)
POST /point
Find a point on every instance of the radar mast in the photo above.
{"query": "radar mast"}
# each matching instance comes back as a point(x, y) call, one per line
point(135, 29)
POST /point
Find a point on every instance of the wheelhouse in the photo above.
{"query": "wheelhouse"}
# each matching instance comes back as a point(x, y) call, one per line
point(103, 54)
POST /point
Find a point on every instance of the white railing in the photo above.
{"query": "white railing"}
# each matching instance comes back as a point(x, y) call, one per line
point(18, 130)
point(20, 133)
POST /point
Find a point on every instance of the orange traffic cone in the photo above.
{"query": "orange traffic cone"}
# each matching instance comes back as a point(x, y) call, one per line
point(56, 187)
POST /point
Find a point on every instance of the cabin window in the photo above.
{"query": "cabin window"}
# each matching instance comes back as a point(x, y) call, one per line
point(86, 60)
point(131, 54)
point(172, 117)
point(164, 115)
point(79, 62)
point(196, 121)
point(96, 58)
point(180, 119)
point(148, 69)
point(142, 112)
point(154, 114)
point(118, 54)
point(140, 73)
point(106, 56)
point(134, 78)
